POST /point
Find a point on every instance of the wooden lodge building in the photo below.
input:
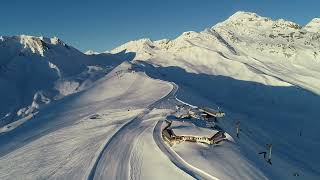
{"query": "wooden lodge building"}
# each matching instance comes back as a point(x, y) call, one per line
point(206, 114)
point(171, 138)
point(211, 114)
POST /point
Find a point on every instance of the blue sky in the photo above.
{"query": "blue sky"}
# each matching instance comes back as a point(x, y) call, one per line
point(104, 24)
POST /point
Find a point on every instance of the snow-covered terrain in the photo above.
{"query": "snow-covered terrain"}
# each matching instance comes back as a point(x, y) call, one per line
point(262, 72)
point(65, 140)
point(35, 71)
point(65, 114)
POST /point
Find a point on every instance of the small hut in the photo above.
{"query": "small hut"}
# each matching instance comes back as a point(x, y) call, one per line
point(211, 114)
point(218, 137)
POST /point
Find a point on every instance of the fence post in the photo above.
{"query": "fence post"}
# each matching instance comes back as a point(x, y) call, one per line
point(270, 152)
point(238, 128)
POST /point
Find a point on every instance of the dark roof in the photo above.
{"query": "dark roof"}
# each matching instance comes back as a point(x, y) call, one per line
point(212, 112)
point(169, 133)
point(218, 135)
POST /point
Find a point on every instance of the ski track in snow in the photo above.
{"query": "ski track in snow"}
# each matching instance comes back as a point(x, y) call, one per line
point(176, 159)
point(136, 160)
point(110, 160)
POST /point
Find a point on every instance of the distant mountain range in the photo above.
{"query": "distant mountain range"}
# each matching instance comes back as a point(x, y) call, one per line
point(246, 46)
point(262, 72)
point(36, 70)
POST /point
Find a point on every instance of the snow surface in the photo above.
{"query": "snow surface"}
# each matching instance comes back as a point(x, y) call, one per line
point(181, 128)
point(35, 71)
point(147, 161)
point(68, 115)
point(63, 141)
point(313, 25)
point(223, 162)
point(260, 71)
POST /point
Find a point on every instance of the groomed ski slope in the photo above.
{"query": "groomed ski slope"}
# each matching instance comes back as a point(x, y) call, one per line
point(110, 131)
point(260, 71)
point(63, 142)
point(111, 162)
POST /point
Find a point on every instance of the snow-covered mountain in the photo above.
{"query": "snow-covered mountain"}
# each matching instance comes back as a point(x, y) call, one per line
point(282, 49)
point(100, 115)
point(313, 25)
point(91, 52)
point(262, 72)
point(36, 70)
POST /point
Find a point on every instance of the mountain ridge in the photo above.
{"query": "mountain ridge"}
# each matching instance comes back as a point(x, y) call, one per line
point(39, 70)
point(259, 41)
point(70, 111)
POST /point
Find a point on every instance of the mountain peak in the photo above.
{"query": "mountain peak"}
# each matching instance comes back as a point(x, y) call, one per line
point(242, 18)
point(285, 24)
point(35, 45)
point(56, 41)
point(91, 52)
point(313, 25)
point(254, 21)
point(243, 15)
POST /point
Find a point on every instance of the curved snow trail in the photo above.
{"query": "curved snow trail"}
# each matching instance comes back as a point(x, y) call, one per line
point(114, 159)
point(176, 159)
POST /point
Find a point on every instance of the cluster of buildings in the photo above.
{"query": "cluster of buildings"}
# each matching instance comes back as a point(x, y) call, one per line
point(206, 114)
point(171, 138)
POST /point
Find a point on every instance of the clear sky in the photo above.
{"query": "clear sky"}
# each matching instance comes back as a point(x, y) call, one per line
point(104, 24)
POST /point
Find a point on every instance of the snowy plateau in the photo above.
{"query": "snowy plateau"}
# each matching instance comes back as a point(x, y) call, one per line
point(65, 114)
